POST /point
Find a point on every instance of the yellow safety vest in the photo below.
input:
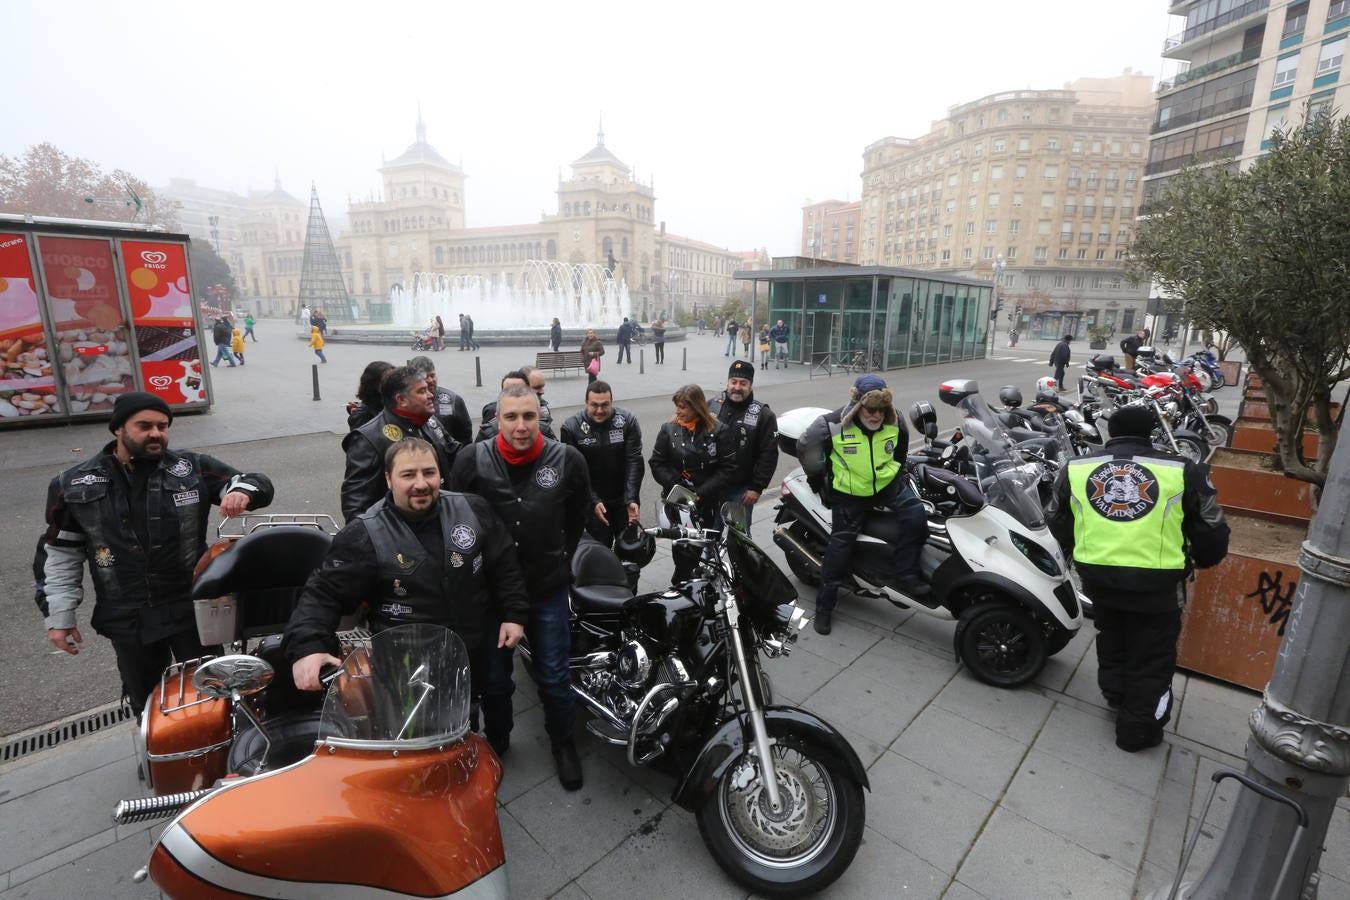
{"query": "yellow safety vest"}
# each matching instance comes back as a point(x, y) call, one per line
point(863, 466)
point(1127, 512)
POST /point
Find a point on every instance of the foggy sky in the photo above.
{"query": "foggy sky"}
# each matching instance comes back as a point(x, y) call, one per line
point(739, 110)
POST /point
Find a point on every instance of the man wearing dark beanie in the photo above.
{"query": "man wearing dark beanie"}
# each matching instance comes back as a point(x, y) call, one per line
point(756, 437)
point(137, 514)
point(1136, 519)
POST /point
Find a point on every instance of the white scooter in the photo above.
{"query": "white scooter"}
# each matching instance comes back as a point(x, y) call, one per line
point(993, 565)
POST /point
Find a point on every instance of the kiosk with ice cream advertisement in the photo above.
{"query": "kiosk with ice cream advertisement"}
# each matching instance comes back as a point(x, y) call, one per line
point(89, 311)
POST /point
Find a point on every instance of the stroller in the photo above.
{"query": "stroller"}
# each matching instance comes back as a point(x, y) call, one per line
point(424, 340)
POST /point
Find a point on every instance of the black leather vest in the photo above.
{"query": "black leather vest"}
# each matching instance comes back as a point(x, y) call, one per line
point(534, 508)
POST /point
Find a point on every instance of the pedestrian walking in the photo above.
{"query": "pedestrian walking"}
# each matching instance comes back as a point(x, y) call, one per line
point(463, 332)
point(700, 324)
point(222, 334)
point(237, 345)
point(731, 328)
point(591, 351)
point(305, 317)
point(320, 318)
point(625, 339)
point(316, 342)
point(473, 342)
point(542, 491)
point(439, 341)
point(745, 340)
point(249, 322)
point(136, 513)
point(764, 346)
point(555, 335)
point(1136, 520)
point(1012, 338)
point(780, 334)
point(1059, 359)
point(659, 340)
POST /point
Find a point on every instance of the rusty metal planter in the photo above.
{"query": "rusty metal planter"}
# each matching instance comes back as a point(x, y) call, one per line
point(1260, 437)
point(1247, 484)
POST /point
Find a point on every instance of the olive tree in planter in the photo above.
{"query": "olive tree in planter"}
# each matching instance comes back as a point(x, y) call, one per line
point(1263, 255)
point(1098, 335)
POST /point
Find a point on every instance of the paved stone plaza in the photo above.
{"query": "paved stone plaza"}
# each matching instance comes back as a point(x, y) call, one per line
point(976, 792)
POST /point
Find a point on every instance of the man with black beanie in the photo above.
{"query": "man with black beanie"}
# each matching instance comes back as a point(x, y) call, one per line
point(137, 514)
point(756, 437)
point(1136, 519)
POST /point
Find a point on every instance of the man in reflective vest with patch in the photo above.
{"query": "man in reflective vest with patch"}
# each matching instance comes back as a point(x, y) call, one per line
point(1136, 520)
point(855, 459)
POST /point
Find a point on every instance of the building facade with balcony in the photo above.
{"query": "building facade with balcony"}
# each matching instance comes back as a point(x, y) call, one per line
point(1245, 68)
point(1049, 181)
point(830, 230)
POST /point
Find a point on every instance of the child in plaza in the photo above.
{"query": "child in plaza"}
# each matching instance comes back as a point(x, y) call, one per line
point(316, 341)
point(237, 345)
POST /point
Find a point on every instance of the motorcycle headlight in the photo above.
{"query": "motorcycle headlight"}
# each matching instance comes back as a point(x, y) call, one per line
point(1037, 555)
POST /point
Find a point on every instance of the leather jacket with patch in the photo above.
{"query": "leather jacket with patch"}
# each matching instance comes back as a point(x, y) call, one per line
point(454, 415)
point(613, 453)
point(457, 569)
point(141, 591)
point(365, 447)
point(755, 428)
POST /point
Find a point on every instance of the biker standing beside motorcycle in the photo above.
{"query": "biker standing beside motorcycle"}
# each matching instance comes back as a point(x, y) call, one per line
point(450, 408)
point(542, 492)
point(855, 459)
point(1114, 513)
point(610, 439)
point(695, 450)
point(419, 555)
point(409, 409)
point(137, 513)
point(1130, 346)
point(755, 430)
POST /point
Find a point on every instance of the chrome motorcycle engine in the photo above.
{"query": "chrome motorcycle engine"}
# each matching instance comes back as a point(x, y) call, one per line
point(632, 666)
point(630, 677)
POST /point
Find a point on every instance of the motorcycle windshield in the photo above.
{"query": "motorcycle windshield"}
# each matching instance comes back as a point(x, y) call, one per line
point(1008, 483)
point(408, 690)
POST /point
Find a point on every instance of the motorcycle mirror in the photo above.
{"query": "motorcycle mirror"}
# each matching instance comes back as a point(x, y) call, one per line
point(948, 451)
point(238, 673)
point(734, 514)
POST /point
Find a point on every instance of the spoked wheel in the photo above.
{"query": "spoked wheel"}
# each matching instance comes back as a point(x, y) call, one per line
point(1218, 431)
point(1192, 448)
point(1001, 645)
point(795, 850)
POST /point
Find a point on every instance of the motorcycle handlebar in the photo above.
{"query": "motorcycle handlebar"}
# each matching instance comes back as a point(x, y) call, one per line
point(673, 534)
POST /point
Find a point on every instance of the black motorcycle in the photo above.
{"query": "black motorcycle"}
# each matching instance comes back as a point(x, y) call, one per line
point(674, 678)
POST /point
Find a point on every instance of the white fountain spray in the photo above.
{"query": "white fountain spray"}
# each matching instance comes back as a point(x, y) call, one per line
point(579, 295)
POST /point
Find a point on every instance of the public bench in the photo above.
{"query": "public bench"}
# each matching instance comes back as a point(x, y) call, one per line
point(566, 359)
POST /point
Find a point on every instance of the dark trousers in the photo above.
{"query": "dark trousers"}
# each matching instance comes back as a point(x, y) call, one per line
point(1059, 378)
point(463, 340)
point(551, 647)
point(248, 332)
point(625, 348)
point(847, 519)
point(556, 345)
point(141, 665)
point(1136, 658)
point(660, 351)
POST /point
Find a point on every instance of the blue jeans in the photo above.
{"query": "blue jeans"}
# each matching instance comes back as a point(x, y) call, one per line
point(223, 351)
point(733, 495)
point(731, 344)
point(551, 648)
point(848, 516)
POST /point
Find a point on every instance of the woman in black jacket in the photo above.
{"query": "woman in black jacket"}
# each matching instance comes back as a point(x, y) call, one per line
point(367, 404)
point(695, 450)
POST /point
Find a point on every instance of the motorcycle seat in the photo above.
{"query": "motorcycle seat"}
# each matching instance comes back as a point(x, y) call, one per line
point(265, 570)
point(599, 580)
point(966, 491)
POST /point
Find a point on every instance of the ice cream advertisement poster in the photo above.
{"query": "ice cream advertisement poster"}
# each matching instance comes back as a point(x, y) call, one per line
point(27, 386)
point(162, 316)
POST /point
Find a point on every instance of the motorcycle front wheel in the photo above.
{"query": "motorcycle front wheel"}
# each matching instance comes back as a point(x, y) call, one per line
point(1001, 644)
point(1218, 431)
point(1193, 448)
point(799, 849)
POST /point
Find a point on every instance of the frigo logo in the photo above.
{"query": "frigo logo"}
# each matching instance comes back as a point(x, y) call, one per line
point(154, 259)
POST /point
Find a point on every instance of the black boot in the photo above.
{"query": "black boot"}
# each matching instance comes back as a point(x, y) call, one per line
point(821, 623)
point(914, 587)
point(569, 765)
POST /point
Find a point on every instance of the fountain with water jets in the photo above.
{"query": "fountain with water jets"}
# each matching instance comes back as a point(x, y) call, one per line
point(579, 295)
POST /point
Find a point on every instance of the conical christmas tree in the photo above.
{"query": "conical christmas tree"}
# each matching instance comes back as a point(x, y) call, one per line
point(321, 284)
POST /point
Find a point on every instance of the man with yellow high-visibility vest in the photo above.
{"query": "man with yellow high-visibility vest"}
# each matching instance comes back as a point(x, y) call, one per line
point(855, 459)
point(1136, 519)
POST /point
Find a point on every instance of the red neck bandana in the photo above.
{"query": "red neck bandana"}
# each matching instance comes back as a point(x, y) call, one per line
point(516, 457)
point(418, 419)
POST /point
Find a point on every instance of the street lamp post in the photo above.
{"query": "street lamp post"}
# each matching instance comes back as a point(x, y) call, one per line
point(999, 265)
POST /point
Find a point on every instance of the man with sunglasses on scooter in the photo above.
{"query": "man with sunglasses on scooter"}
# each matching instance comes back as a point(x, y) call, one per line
point(855, 459)
point(418, 555)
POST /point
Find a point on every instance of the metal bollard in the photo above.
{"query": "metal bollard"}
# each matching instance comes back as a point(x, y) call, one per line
point(642, 361)
point(684, 359)
point(478, 371)
point(314, 371)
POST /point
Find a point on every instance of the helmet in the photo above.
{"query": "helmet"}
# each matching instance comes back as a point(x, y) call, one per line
point(634, 545)
point(1045, 383)
point(1047, 396)
point(924, 417)
point(1010, 396)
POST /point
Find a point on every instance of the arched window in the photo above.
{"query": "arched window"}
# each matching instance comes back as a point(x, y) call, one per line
point(625, 248)
point(552, 249)
point(606, 248)
point(440, 257)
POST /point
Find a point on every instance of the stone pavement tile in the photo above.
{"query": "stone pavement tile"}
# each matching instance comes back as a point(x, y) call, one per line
point(914, 670)
point(531, 873)
point(959, 891)
point(1215, 715)
point(1167, 834)
point(1089, 742)
point(530, 759)
point(1153, 878)
point(577, 828)
point(969, 754)
point(665, 857)
point(933, 817)
point(1057, 672)
point(66, 760)
point(104, 873)
point(1330, 888)
point(1016, 859)
point(1019, 713)
point(1181, 767)
point(1225, 799)
point(930, 631)
point(845, 642)
point(868, 750)
point(572, 891)
point(872, 709)
point(886, 871)
point(40, 824)
point(877, 613)
point(799, 675)
point(1336, 848)
point(1107, 819)
point(1204, 848)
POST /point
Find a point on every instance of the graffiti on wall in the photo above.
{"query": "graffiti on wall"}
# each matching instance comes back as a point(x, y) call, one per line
point(1275, 596)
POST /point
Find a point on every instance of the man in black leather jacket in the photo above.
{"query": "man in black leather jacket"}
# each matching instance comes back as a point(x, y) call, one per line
point(137, 514)
point(409, 409)
point(418, 555)
point(487, 429)
point(450, 408)
point(610, 439)
point(755, 430)
point(541, 490)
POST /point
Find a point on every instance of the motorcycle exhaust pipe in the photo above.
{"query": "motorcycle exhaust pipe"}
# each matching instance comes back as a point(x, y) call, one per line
point(600, 709)
point(783, 533)
point(144, 808)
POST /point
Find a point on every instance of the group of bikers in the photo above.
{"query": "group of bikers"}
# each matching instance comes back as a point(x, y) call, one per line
point(475, 529)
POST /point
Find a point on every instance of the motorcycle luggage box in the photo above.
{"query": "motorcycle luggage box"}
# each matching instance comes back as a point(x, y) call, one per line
point(251, 588)
point(185, 736)
point(793, 423)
